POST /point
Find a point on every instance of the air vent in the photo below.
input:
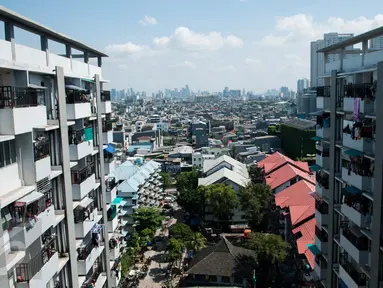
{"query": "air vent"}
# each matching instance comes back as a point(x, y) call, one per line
point(44, 185)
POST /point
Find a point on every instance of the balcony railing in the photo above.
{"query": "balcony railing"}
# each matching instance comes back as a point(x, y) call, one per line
point(16, 97)
point(92, 275)
point(108, 157)
point(105, 96)
point(361, 242)
point(365, 90)
point(321, 206)
point(84, 251)
point(77, 96)
point(84, 214)
point(76, 136)
point(321, 234)
point(41, 149)
point(359, 165)
point(26, 271)
point(358, 277)
point(107, 126)
point(323, 91)
point(79, 176)
point(112, 212)
point(110, 184)
point(320, 261)
point(323, 181)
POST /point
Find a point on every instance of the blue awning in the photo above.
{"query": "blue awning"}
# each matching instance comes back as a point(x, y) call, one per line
point(117, 200)
point(313, 248)
point(353, 152)
point(352, 190)
point(110, 149)
point(315, 168)
point(316, 138)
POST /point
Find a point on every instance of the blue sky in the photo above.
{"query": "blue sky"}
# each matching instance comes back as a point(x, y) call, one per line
point(208, 44)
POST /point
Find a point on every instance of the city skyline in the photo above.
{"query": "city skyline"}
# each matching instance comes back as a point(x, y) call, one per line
point(154, 48)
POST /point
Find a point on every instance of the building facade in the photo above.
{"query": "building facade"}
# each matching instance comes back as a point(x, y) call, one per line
point(54, 119)
point(349, 176)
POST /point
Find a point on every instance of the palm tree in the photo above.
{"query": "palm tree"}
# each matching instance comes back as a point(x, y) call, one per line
point(196, 243)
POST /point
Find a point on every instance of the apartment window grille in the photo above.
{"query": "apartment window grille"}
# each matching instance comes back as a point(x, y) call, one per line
point(16, 97)
point(7, 153)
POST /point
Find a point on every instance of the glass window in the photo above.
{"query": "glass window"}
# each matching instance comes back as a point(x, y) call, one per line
point(212, 278)
point(2, 154)
point(225, 279)
point(7, 153)
point(13, 151)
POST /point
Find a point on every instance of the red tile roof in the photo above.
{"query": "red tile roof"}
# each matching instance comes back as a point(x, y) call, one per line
point(277, 160)
point(295, 195)
point(300, 213)
point(284, 174)
point(307, 230)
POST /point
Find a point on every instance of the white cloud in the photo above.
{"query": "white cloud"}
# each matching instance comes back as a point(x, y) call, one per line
point(184, 64)
point(129, 48)
point(161, 41)
point(303, 28)
point(252, 61)
point(148, 20)
point(186, 39)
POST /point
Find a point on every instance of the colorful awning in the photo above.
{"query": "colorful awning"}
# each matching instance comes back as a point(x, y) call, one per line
point(316, 138)
point(110, 149)
point(313, 248)
point(353, 153)
point(315, 168)
point(352, 190)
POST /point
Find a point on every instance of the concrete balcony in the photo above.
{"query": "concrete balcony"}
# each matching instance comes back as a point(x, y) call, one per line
point(322, 219)
point(82, 227)
point(322, 246)
point(87, 255)
point(365, 105)
point(21, 109)
point(363, 144)
point(109, 165)
point(351, 275)
point(323, 133)
point(320, 270)
point(114, 253)
point(25, 234)
point(80, 143)
point(38, 271)
point(115, 281)
point(356, 246)
point(107, 137)
point(83, 181)
point(42, 159)
point(356, 217)
point(323, 161)
point(360, 182)
point(10, 179)
point(78, 111)
point(105, 105)
point(111, 195)
point(323, 103)
point(323, 192)
point(112, 224)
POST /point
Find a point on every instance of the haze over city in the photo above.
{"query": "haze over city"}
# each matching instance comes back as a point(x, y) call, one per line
point(208, 45)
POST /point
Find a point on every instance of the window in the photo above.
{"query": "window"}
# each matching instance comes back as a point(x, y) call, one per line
point(225, 279)
point(238, 280)
point(212, 278)
point(7, 153)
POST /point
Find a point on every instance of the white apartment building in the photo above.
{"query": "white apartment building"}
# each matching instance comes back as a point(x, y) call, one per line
point(317, 63)
point(198, 159)
point(349, 169)
point(54, 120)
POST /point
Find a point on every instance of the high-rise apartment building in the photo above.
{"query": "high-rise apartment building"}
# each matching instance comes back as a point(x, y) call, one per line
point(285, 91)
point(317, 59)
point(302, 84)
point(349, 167)
point(54, 121)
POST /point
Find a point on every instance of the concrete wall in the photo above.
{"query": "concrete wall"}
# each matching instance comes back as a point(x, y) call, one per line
point(9, 178)
point(25, 154)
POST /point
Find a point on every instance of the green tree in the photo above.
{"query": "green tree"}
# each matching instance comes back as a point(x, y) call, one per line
point(196, 242)
point(271, 250)
point(193, 200)
point(187, 181)
point(174, 250)
point(180, 232)
point(166, 180)
point(222, 199)
point(256, 174)
point(148, 217)
point(146, 235)
point(255, 200)
point(127, 261)
point(134, 241)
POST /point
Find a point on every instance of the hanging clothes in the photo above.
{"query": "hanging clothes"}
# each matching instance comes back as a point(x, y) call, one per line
point(356, 108)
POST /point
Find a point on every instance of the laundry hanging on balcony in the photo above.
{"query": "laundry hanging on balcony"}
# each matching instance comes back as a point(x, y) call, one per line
point(97, 228)
point(110, 149)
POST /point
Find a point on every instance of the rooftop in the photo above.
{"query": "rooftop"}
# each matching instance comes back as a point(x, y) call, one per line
point(301, 124)
point(34, 27)
point(277, 160)
point(284, 174)
point(296, 194)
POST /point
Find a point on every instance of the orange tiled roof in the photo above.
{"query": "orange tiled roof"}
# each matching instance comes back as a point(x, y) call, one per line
point(296, 194)
point(284, 174)
point(276, 160)
point(307, 230)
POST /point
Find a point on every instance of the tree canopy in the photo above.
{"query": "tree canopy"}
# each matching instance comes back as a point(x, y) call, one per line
point(166, 180)
point(192, 201)
point(255, 200)
point(190, 240)
point(148, 217)
point(256, 174)
point(222, 199)
point(270, 248)
point(174, 250)
point(187, 181)
point(180, 231)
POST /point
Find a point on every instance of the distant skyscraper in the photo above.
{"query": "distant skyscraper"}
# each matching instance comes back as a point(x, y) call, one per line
point(317, 59)
point(226, 92)
point(302, 84)
point(284, 91)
